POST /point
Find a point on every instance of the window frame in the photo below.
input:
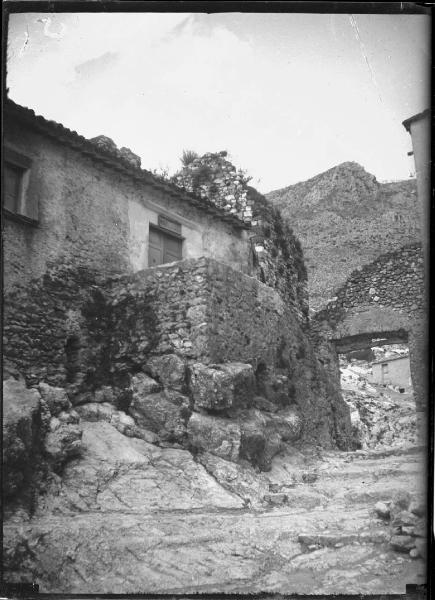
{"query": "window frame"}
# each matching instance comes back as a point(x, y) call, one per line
point(23, 164)
point(168, 233)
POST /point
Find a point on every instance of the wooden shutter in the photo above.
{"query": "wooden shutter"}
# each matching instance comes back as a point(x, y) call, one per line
point(155, 250)
point(163, 248)
point(171, 249)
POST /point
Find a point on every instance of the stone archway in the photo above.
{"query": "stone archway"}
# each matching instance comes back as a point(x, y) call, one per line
point(373, 326)
point(383, 303)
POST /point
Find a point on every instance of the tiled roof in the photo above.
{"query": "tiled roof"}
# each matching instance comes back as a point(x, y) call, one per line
point(114, 160)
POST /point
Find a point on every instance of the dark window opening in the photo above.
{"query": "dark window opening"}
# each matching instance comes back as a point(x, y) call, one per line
point(13, 177)
point(16, 202)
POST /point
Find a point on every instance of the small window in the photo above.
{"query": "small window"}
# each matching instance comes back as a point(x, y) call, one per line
point(163, 247)
point(16, 200)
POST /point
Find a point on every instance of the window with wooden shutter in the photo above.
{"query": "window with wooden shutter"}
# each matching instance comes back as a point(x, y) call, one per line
point(164, 247)
point(17, 202)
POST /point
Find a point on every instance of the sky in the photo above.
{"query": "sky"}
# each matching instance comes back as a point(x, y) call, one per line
point(287, 95)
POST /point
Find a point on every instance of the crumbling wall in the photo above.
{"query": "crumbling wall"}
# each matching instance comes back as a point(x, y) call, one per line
point(394, 279)
point(213, 177)
point(277, 258)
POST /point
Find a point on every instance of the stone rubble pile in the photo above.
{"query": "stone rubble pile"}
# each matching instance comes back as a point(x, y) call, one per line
point(379, 421)
point(408, 527)
point(380, 416)
point(213, 177)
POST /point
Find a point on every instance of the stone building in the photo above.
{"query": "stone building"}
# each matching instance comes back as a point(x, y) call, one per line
point(84, 224)
point(84, 202)
point(394, 370)
point(174, 319)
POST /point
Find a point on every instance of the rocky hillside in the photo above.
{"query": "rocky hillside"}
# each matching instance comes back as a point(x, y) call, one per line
point(345, 218)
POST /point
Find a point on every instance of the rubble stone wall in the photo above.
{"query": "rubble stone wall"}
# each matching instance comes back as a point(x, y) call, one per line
point(205, 311)
point(48, 333)
point(74, 331)
point(394, 279)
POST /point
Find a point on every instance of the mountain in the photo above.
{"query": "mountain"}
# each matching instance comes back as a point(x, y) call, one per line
point(344, 218)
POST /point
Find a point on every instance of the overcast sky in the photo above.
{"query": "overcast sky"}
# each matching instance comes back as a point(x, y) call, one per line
point(288, 95)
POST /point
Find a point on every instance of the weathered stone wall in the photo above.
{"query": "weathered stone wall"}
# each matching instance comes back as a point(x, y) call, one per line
point(395, 279)
point(205, 311)
point(385, 300)
point(49, 334)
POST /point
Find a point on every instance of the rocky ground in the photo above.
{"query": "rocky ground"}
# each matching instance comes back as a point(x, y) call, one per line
point(130, 516)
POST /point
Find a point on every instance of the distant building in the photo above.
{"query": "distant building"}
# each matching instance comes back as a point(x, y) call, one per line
point(392, 371)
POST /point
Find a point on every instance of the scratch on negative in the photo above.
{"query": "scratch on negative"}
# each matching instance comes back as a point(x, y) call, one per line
point(26, 41)
point(364, 53)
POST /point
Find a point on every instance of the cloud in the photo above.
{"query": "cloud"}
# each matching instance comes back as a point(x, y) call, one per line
point(286, 102)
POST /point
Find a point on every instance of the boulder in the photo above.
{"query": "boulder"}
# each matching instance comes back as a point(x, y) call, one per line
point(63, 444)
point(402, 543)
point(243, 481)
point(215, 435)
point(382, 510)
point(273, 446)
point(421, 546)
point(287, 424)
point(404, 517)
point(104, 394)
point(253, 437)
point(418, 507)
point(144, 384)
point(124, 423)
point(21, 407)
point(165, 413)
point(223, 386)
point(169, 369)
point(56, 398)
